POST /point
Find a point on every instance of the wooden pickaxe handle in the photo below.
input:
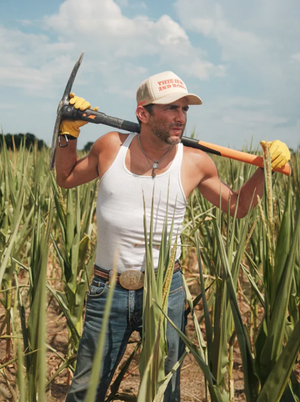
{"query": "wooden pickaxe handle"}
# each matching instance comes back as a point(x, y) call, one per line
point(233, 154)
point(66, 111)
point(101, 118)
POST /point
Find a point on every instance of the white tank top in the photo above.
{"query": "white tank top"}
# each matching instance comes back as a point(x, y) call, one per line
point(120, 211)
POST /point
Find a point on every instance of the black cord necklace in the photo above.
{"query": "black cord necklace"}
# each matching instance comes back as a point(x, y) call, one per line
point(155, 164)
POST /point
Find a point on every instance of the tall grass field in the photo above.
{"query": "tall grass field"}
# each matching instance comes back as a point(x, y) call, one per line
point(242, 280)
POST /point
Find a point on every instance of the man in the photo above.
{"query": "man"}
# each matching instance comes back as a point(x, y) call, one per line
point(132, 168)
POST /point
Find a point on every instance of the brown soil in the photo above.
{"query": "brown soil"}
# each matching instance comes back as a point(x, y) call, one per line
point(192, 379)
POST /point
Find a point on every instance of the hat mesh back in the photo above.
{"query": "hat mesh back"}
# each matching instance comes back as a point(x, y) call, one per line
point(143, 93)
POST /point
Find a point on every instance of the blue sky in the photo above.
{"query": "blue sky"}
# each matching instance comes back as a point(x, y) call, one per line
point(242, 58)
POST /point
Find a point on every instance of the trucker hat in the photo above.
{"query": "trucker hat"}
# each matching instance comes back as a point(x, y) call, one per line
point(164, 88)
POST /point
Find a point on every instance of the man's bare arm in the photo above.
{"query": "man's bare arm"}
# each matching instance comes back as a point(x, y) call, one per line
point(222, 196)
point(72, 171)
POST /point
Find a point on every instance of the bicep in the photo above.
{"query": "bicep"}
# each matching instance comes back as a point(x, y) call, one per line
point(214, 190)
point(83, 171)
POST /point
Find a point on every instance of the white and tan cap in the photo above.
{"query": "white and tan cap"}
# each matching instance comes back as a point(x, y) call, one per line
point(164, 88)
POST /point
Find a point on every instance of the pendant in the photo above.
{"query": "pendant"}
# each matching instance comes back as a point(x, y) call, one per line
point(154, 166)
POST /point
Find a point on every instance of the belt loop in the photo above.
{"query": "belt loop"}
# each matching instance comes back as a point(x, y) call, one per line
point(110, 275)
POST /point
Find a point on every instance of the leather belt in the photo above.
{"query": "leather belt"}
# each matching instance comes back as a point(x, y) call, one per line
point(130, 279)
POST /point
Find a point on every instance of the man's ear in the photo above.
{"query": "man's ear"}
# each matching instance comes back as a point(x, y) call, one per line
point(142, 114)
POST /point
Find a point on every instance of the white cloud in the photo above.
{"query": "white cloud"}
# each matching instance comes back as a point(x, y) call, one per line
point(30, 60)
point(295, 57)
point(122, 3)
point(207, 18)
point(254, 40)
point(109, 39)
point(203, 69)
point(102, 27)
point(118, 37)
point(243, 58)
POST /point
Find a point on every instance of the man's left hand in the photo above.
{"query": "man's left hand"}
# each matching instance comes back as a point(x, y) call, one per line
point(279, 153)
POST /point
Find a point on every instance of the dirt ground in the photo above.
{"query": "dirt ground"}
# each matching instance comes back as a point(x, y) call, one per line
point(192, 379)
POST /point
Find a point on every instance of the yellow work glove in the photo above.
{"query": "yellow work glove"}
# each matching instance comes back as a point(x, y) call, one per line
point(71, 127)
point(279, 153)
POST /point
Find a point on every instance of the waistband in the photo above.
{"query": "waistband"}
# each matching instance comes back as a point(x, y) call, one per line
point(105, 274)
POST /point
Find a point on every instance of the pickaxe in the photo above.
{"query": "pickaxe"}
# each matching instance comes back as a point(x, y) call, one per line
point(66, 111)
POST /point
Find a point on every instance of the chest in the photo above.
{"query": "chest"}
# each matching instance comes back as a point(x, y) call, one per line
point(137, 164)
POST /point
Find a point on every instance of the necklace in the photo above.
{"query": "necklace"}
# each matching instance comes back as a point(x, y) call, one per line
point(155, 163)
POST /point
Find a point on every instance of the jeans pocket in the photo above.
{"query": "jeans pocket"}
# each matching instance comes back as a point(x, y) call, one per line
point(176, 284)
point(97, 288)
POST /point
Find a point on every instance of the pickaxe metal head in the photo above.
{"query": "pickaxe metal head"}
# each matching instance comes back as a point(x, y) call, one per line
point(63, 102)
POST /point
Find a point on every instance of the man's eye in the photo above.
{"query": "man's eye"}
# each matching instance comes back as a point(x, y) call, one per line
point(175, 107)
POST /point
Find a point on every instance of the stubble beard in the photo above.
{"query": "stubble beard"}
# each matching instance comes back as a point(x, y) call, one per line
point(163, 133)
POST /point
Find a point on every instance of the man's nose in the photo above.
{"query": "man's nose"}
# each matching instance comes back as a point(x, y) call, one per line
point(181, 116)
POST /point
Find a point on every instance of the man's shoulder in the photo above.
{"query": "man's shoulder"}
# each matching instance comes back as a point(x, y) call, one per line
point(195, 153)
point(196, 159)
point(110, 140)
point(106, 148)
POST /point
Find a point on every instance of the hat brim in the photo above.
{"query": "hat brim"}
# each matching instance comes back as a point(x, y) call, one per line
point(191, 98)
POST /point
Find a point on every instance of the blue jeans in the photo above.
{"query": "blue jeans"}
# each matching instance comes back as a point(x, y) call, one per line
point(125, 318)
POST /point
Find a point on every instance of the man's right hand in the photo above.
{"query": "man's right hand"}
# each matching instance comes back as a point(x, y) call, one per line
point(71, 127)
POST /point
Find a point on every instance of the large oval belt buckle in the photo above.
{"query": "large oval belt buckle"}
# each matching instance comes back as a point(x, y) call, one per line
point(131, 279)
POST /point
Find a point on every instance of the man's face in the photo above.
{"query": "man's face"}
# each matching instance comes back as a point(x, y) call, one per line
point(168, 122)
